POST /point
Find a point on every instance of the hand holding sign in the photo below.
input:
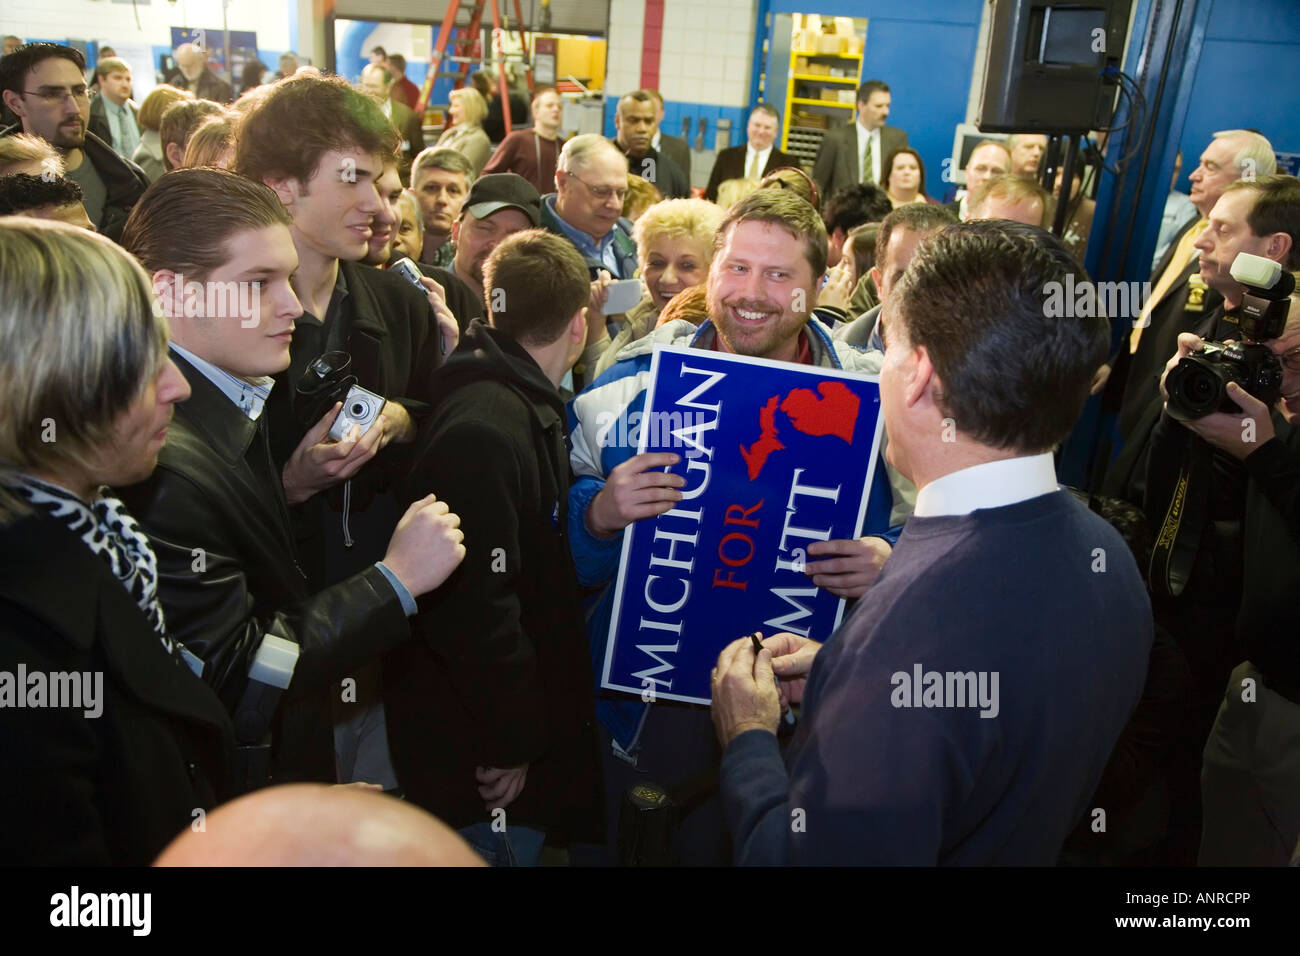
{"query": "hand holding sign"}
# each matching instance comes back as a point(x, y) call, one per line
point(635, 490)
point(851, 566)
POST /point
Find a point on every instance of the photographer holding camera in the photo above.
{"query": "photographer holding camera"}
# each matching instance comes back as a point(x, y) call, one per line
point(1231, 517)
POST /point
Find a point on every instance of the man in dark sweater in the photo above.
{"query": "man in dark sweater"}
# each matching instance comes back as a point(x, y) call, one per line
point(965, 710)
point(490, 710)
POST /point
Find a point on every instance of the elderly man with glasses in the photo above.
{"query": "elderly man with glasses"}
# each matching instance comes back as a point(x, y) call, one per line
point(587, 205)
point(45, 86)
point(587, 209)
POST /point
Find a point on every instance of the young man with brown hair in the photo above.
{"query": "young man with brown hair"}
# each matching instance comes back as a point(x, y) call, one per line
point(230, 579)
point(491, 707)
point(322, 147)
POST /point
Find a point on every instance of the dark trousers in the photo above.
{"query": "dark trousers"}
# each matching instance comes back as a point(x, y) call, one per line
point(678, 747)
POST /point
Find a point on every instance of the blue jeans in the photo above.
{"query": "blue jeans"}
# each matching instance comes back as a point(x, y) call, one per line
point(515, 846)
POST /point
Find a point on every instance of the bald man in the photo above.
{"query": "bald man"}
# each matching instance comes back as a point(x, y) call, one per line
point(308, 824)
point(194, 75)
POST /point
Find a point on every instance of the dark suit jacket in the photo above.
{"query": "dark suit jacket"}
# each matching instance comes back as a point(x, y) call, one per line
point(662, 173)
point(99, 124)
point(836, 164)
point(211, 86)
point(216, 489)
point(730, 164)
point(117, 788)
point(679, 151)
point(1126, 477)
point(1135, 379)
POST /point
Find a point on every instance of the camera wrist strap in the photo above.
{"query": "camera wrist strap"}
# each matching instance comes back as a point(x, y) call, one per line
point(1174, 552)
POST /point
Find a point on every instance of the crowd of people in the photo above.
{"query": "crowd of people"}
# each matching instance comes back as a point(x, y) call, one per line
point(314, 471)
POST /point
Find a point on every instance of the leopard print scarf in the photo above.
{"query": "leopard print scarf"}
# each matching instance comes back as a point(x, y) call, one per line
point(111, 533)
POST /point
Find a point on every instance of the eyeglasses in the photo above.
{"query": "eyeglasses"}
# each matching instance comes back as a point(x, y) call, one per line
point(54, 95)
point(1291, 359)
point(603, 193)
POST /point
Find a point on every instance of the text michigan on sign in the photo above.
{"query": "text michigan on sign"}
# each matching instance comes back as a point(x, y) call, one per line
point(775, 456)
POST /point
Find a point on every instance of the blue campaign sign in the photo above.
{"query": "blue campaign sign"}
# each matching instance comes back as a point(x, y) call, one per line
point(775, 456)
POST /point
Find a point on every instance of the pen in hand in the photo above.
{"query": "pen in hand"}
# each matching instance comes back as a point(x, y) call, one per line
point(788, 716)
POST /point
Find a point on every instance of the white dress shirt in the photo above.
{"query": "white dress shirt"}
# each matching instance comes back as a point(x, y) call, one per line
point(876, 158)
point(994, 484)
point(762, 160)
point(249, 395)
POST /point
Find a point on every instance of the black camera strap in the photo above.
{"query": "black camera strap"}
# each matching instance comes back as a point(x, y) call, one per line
point(1174, 552)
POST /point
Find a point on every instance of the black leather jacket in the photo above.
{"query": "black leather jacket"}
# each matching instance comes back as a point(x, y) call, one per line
point(229, 573)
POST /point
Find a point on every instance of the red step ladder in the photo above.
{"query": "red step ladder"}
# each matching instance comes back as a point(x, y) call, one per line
point(468, 49)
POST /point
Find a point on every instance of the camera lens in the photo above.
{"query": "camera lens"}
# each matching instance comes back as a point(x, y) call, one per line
point(1199, 390)
point(1195, 387)
point(358, 410)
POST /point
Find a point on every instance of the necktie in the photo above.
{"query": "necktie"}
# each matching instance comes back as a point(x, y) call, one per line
point(1182, 257)
point(752, 172)
point(123, 135)
point(867, 175)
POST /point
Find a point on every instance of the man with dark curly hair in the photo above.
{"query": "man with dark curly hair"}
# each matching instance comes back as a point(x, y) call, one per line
point(43, 198)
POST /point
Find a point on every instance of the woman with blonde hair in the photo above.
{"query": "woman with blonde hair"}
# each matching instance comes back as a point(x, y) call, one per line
point(212, 144)
point(149, 154)
point(674, 241)
point(465, 135)
point(86, 392)
point(732, 191)
point(641, 195)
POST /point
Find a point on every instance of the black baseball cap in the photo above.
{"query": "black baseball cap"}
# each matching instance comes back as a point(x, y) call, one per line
point(497, 191)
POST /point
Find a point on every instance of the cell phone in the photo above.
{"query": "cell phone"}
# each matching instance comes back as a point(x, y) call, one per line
point(621, 295)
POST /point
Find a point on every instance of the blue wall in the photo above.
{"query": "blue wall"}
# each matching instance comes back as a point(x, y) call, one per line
point(1249, 76)
point(353, 55)
point(925, 51)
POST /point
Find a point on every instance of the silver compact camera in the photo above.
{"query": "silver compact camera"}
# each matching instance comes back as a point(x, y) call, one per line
point(361, 408)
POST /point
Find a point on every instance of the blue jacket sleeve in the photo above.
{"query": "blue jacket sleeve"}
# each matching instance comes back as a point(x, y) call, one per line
point(879, 504)
point(596, 559)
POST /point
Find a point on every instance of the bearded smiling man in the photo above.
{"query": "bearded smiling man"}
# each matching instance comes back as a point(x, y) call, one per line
point(45, 85)
point(771, 251)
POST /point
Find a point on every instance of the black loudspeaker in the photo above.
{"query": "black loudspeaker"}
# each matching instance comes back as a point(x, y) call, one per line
point(1046, 65)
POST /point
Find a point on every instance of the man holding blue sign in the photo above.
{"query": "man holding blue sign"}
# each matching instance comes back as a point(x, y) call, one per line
point(771, 250)
point(966, 709)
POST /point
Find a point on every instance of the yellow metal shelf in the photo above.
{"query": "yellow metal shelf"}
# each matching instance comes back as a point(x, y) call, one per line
point(824, 79)
point(843, 106)
point(839, 56)
point(846, 62)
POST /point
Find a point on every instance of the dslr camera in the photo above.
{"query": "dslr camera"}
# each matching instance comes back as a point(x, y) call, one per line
point(1197, 385)
point(327, 380)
